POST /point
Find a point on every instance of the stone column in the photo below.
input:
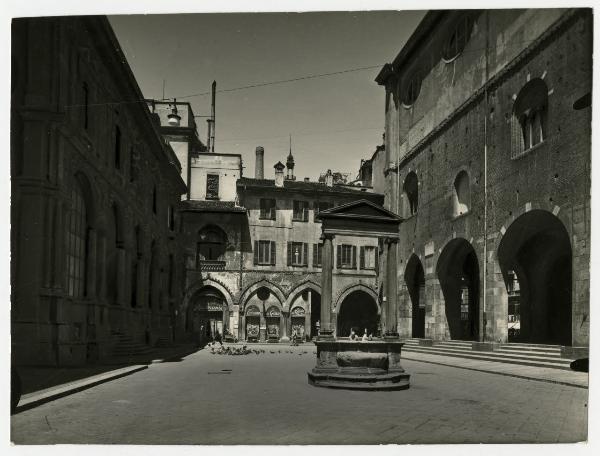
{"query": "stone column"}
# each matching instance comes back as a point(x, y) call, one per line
point(262, 334)
point(326, 331)
point(283, 326)
point(242, 326)
point(391, 314)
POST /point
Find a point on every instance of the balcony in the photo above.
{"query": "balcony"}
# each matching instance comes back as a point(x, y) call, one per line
point(211, 265)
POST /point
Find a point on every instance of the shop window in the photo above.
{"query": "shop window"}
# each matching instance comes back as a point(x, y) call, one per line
point(461, 194)
point(77, 237)
point(317, 255)
point(411, 194)
point(297, 254)
point(264, 253)
point(267, 209)
point(212, 186)
point(346, 256)
point(368, 257)
point(458, 38)
point(300, 211)
point(529, 120)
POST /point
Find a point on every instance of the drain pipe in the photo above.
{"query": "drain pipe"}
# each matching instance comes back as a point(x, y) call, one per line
point(485, 191)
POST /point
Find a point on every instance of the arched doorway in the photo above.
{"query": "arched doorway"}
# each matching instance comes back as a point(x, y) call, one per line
point(414, 277)
point(207, 314)
point(535, 257)
point(263, 314)
point(358, 310)
point(458, 273)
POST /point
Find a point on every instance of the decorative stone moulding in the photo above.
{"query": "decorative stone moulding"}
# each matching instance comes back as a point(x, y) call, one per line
point(369, 366)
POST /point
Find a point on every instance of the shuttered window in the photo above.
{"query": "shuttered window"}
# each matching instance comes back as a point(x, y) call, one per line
point(267, 208)
point(264, 253)
point(368, 257)
point(300, 211)
point(346, 256)
point(317, 261)
point(297, 254)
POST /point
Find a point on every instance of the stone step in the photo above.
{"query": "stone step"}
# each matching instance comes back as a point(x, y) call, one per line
point(488, 356)
point(533, 357)
point(545, 350)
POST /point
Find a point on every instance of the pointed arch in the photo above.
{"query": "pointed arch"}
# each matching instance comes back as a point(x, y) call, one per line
point(306, 285)
point(208, 282)
point(358, 287)
point(250, 290)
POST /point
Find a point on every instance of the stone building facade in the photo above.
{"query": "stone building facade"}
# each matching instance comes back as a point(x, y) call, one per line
point(487, 157)
point(94, 190)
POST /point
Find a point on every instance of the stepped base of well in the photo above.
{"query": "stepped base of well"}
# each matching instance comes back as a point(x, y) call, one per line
point(368, 366)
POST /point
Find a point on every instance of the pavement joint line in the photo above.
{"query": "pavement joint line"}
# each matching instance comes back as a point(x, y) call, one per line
point(32, 400)
point(506, 374)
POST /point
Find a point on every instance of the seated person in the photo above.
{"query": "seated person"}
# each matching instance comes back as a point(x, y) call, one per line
point(352, 334)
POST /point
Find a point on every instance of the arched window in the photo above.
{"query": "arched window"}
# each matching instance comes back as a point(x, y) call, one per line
point(212, 242)
point(529, 119)
point(411, 90)
point(411, 194)
point(458, 38)
point(462, 194)
point(77, 239)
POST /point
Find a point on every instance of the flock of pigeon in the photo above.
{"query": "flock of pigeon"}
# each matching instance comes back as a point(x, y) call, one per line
point(244, 350)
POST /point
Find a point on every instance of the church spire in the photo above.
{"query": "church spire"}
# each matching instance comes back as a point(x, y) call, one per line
point(290, 163)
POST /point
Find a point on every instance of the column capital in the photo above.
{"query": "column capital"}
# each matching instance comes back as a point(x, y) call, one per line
point(329, 236)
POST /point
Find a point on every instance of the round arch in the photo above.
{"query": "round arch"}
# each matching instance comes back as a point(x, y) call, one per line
point(358, 310)
point(414, 278)
point(458, 273)
point(535, 257)
point(80, 178)
point(358, 287)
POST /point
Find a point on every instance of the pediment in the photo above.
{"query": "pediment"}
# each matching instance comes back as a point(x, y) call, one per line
point(361, 209)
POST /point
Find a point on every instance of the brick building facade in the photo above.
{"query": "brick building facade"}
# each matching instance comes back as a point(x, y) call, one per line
point(487, 157)
point(94, 188)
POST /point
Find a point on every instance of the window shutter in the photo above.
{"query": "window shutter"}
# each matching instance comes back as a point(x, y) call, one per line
point(306, 211)
point(362, 257)
point(305, 254)
point(273, 253)
point(353, 257)
point(315, 253)
point(255, 252)
point(289, 253)
point(339, 256)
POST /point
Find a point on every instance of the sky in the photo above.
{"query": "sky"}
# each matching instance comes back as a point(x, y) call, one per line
point(335, 121)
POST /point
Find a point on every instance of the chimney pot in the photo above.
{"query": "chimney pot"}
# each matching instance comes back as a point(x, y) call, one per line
point(329, 178)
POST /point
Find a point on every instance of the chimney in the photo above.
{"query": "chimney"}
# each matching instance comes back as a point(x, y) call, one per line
point(329, 178)
point(279, 167)
point(259, 168)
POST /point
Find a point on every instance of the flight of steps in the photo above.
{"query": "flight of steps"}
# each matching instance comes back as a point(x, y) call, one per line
point(127, 346)
point(537, 355)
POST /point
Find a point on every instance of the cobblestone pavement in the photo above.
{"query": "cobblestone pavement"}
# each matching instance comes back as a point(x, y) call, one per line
point(265, 399)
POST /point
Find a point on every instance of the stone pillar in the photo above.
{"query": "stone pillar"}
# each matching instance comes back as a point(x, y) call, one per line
point(283, 326)
point(391, 314)
point(326, 331)
point(242, 326)
point(262, 328)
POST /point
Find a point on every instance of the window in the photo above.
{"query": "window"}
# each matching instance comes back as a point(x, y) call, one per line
point(317, 255)
point(528, 123)
point(411, 194)
point(368, 257)
point(297, 254)
point(170, 218)
point(300, 211)
point(346, 256)
point(154, 202)
point(212, 186)
point(411, 90)
point(462, 194)
point(117, 147)
point(86, 99)
point(458, 39)
point(76, 243)
point(267, 209)
point(212, 244)
point(264, 253)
